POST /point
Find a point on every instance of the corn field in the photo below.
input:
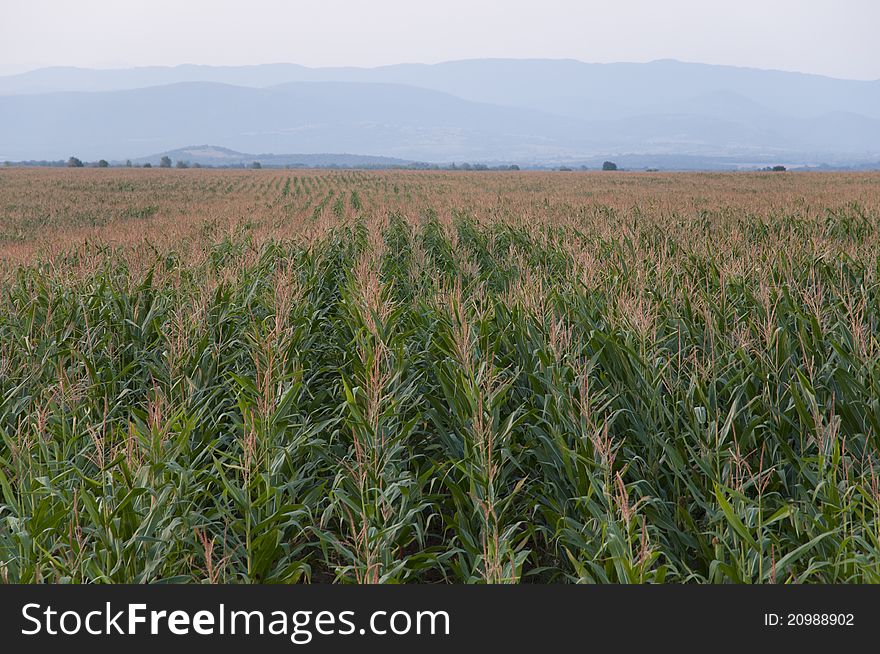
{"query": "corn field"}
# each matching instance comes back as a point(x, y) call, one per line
point(419, 377)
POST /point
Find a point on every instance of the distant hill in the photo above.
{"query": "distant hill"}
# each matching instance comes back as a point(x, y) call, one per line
point(213, 155)
point(565, 86)
point(493, 110)
point(391, 120)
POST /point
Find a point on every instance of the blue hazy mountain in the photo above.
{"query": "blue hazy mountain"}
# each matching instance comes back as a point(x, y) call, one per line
point(491, 110)
point(391, 120)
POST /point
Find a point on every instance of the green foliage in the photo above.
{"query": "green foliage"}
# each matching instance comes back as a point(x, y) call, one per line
point(440, 402)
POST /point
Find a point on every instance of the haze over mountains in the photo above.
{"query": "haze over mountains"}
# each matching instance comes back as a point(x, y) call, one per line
point(517, 111)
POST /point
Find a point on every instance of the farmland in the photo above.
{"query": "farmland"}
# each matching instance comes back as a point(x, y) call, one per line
point(284, 376)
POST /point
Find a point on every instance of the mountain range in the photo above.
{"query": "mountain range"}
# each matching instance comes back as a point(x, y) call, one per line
point(501, 110)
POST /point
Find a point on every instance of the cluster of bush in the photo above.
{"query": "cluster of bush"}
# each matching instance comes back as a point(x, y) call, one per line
point(166, 162)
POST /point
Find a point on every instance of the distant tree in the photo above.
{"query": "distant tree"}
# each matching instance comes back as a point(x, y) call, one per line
point(513, 167)
point(256, 165)
point(565, 169)
point(73, 162)
point(182, 164)
point(609, 165)
point(7, 163)
point(165, 162)
point(778, 169)
point(148, 165)
point(103, 164)
point(128, 163)
point(197, 165)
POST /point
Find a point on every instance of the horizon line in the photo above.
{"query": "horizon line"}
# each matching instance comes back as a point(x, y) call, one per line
point(662, 60)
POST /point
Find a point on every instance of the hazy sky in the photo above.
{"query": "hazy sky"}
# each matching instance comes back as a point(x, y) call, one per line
point(830, 37)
